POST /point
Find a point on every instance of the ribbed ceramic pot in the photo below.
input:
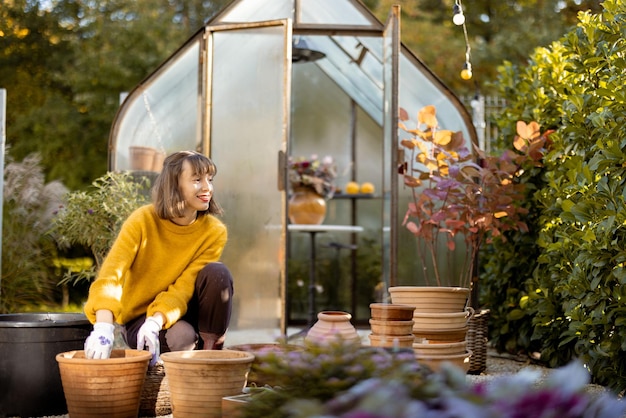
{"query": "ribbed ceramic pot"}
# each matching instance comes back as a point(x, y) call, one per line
point(429, 349)
point(306, 207)
point(391, 341)
point(107, 388)
point(332, 325)
point(431, 299)
point(391, 312)
point(199, 380)
point(425, 321)
point(435, 362)
point(382, 327)
point(441, 336)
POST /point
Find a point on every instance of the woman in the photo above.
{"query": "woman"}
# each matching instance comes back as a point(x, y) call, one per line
point(162, 279)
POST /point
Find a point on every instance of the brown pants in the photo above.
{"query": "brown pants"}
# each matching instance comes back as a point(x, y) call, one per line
point(208, 312)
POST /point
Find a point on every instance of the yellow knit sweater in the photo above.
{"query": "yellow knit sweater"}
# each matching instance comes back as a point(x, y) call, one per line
point(152, 266)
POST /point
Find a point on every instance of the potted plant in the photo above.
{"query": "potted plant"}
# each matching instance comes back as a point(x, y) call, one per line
point(312, 183)
point(461, 192)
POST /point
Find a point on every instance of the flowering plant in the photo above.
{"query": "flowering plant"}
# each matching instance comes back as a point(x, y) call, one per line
point(318, 174)
point(459, 192)
point(337, 381)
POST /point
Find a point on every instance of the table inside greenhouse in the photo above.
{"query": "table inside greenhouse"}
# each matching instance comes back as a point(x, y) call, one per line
point(313, 230)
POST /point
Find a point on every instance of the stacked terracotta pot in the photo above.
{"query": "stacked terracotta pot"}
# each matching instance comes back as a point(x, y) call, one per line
point(440, 323)
point(391, 325)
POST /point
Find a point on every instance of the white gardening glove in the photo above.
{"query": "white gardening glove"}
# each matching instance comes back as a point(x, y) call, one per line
point(100, 342)
point(148, 336)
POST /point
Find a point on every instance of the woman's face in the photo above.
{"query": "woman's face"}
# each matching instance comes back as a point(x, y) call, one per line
point(196, 189)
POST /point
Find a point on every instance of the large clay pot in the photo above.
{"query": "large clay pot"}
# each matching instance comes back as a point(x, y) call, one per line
point(30, 383)
point(142, 158)
point(199, 379)
point(306, 207)
point(332, 325)
point(108, 388)
point(431, 299)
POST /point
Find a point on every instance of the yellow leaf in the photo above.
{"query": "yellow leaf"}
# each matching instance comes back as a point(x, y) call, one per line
point(427, 115)
point(500, 214)
point(443, 137)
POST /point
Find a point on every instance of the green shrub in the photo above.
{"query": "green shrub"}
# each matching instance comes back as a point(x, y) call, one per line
point(566, 291)
point(94, 217)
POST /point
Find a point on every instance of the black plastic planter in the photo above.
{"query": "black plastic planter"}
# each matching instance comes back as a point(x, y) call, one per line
point(29, 373)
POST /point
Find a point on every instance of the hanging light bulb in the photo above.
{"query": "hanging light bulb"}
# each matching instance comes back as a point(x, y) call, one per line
point(458, 18)
point(466, 72)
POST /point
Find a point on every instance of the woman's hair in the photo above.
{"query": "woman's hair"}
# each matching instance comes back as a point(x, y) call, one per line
point(168, 202)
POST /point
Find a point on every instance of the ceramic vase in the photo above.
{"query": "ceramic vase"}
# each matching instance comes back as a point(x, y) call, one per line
point(332, 325)
point(107, 388)
point(199, 380)
point(306, 207)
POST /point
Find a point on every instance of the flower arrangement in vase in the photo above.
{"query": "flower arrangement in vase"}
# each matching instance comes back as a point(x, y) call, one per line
point(312, 183)
point(458, 191)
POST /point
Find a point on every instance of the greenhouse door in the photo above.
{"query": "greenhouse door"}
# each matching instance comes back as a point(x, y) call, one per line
point(391, 65)
point(248, 78)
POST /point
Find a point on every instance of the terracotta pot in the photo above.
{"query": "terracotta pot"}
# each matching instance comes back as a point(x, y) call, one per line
point(440, 336)
point(435, 362)
point(157, 161)
point(429, 349)
point(104, 387)
point(199, 379)
point(331, 325)
point(256, 376)
point(306, 207)
point(391, 312)
point(141, 158)
point(424, 321)
point(382, 327)
point(431, 299)
point(391, 340)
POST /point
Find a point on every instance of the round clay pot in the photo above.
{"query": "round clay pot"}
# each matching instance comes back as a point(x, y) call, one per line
point(199, 379)
point(391, 340)
point(441, 321)
point(306, 207)
point(441, 336)
point(391, 312)
point(103, 387)
point(429, 349)
point(331, 325)
point(431, 299)
point(261, 351)
point(435, 362)
point(380, 327)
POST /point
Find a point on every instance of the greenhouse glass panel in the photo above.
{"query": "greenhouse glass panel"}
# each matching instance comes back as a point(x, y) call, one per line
point(163, 114)
point(249, 103)
point(332, 12)
point(256, 11)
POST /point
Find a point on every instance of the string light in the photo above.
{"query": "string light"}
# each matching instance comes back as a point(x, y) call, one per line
point(458, 18)
point(466, 72)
